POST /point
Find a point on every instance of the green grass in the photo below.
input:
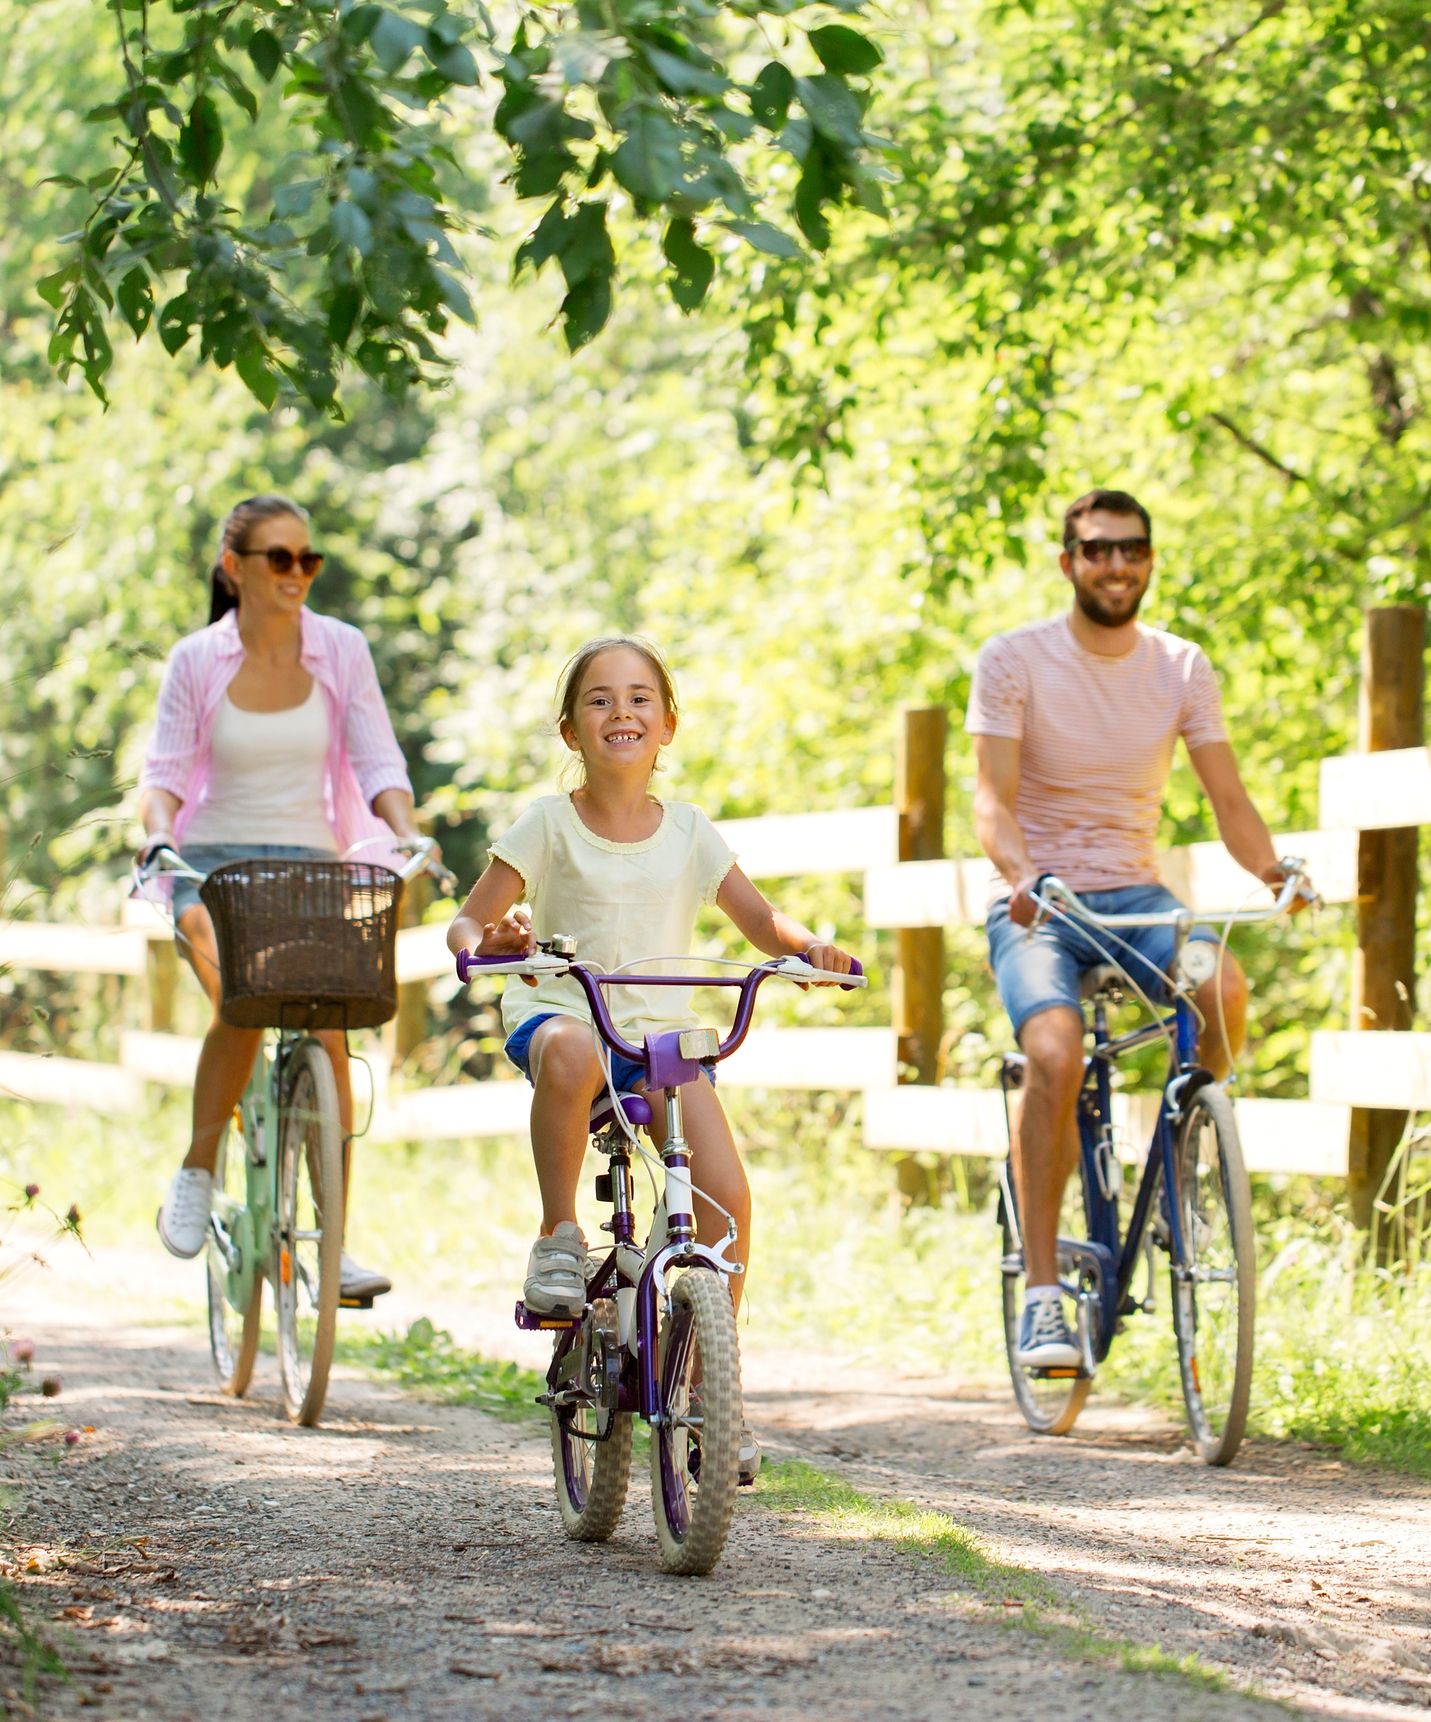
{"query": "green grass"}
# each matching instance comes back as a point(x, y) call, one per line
point(1022, 1598)
point(1340, 1353)
point(428, 1362)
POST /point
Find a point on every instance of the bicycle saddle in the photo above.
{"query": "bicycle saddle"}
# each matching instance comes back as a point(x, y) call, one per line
point(636, 1107)
point(1102, 978)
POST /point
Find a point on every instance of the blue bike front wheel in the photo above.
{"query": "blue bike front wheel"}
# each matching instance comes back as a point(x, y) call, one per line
point(1214, 1275)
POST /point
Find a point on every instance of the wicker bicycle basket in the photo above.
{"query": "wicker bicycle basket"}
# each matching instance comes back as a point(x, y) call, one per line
point(305, 944)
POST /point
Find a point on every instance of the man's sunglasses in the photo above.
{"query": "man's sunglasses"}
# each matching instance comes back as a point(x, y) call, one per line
point(1099, 551)
point(281, 561)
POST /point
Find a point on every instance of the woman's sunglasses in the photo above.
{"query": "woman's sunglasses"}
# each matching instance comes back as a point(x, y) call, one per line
point(281, 561)
point(1099, 551)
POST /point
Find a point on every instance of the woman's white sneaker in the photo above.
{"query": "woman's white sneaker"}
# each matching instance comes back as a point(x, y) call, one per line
point(183, 1220)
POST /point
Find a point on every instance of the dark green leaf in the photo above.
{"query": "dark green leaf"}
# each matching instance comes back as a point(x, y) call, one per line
point(586, 245)
point(585, 309)
point(351, 226)
point(393, 39)
point(251, 363)
point(265, 52)
point(201, 141)
point(811, 194)
point(764, 237)
point(692, 267)
point(648, 159)
point(771, 95)
point(832, 108)
point(136, 300)
point(52, 288)
point(682, 77)
point(844, 50)
point(454, 60)
point(295, 199)
point(454, 295)
point(343, 311)
point(176, 321)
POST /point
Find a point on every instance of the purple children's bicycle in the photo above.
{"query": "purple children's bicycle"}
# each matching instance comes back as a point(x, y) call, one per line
point(657, 1338)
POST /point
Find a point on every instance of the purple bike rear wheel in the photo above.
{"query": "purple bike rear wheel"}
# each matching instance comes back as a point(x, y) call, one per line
point(591, 1443)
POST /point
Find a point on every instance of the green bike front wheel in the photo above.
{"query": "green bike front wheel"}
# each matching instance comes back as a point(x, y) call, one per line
point(308, 1233)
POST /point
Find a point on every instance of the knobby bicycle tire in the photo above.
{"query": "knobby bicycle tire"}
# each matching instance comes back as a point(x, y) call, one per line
point(308, 1235)
point(592, 1474)
point(233, 1334)
point(1214, 1287)
point(695, 1469)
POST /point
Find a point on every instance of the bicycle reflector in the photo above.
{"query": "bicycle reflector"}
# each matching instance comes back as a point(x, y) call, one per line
point(699, 1043)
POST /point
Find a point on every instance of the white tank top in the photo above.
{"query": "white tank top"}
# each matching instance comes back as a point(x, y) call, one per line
point(266, 781)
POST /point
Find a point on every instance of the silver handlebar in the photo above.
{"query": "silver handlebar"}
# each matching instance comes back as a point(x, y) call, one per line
point(1055, 893)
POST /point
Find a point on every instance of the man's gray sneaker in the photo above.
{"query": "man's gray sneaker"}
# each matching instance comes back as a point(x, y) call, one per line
point(183, 1220)
point(362, 1283)
point(1044, 1339)
point(556, 1273)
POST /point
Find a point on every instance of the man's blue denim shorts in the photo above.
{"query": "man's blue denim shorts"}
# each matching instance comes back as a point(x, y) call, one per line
point(205, 857)
point(625, 1072)
point(1037, 969)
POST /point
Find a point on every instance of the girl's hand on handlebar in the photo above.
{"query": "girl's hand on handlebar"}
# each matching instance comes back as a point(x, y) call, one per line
point(509, 937)
point(829, 957)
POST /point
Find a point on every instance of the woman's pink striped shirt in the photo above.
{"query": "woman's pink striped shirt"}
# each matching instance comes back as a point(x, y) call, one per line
point(363, 755)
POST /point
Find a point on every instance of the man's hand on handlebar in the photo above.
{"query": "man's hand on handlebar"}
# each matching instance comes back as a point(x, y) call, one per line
point(1023, 911)
point(1278, 876)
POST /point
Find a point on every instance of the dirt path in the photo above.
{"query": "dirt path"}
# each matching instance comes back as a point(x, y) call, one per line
point(405, 1561)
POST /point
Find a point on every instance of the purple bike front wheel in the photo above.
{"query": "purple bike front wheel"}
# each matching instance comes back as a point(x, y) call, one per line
point(695, 1454)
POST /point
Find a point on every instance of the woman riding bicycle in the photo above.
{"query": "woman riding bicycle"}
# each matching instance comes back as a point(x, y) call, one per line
point(271, 741)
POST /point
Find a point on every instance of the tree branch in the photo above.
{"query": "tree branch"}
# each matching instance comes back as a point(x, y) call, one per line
point(1255, 447)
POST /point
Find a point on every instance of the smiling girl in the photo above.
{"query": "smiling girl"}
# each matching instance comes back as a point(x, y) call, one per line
point(625, 874)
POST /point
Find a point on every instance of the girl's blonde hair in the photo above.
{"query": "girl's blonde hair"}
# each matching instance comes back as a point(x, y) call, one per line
point(580, 662)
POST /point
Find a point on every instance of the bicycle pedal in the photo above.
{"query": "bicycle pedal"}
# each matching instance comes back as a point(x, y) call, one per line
point(355, 1303)
point(530, 1322)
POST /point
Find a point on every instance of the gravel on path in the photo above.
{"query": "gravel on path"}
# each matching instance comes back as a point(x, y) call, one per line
point(204, 1559)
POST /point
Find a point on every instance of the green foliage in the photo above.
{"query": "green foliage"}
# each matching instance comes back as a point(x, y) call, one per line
point(426, 1361)
point(326, 238)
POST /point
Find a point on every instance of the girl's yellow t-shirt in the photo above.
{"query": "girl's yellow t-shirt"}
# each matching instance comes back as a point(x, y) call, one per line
point(621, 902)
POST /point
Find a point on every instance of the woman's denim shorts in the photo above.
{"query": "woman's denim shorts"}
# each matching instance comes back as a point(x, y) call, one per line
point(205, 857)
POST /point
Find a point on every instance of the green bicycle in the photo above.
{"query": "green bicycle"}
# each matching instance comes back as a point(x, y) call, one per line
point(303, 946)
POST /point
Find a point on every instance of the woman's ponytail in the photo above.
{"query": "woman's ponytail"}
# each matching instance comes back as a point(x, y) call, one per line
point(240, 522)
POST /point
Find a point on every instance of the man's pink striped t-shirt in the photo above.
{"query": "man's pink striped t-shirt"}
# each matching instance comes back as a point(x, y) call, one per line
point(1097, 739)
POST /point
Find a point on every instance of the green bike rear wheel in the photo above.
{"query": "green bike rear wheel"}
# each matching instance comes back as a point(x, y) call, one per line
point(233, 1333)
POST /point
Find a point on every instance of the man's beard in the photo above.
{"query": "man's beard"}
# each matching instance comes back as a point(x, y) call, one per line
point(1096, 611)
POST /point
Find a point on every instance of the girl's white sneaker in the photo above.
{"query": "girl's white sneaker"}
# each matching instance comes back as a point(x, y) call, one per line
point(556, 1273)
point(183, 1220)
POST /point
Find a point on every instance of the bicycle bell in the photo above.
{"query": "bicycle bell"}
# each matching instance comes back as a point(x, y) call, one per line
point(559, 945)
point(1197, 962)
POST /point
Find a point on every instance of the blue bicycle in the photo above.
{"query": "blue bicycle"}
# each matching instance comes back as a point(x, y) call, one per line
point(1193, 1201)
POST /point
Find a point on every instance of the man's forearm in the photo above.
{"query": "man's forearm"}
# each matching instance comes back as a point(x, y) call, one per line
point(1001, 840)
point(1248, 841)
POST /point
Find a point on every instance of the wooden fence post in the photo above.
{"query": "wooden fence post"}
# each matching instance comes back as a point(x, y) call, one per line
point(162, 980)
point(1384, 964)
point(919, 968)
point(411, 1022)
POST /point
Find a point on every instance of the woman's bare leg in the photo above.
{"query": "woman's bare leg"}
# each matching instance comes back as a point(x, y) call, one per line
point(226, 1057)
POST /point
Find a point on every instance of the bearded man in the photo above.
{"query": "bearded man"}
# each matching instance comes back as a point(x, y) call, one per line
point(1075, 721)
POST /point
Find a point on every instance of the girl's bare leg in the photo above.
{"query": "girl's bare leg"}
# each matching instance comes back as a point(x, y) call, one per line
point(716, 1167)
point(227, 1055)
point(567, 1077)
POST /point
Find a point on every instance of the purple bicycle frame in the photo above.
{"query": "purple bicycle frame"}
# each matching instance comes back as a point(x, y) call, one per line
point(668, 1069)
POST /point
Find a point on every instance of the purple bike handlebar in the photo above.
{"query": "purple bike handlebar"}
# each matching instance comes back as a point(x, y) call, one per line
point(591, 984)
